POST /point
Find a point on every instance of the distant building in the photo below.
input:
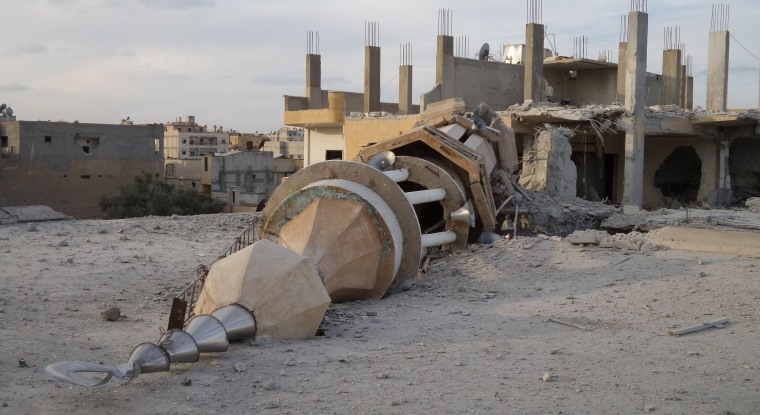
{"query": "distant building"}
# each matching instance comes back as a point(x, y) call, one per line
point(245, 179)
point(287, 141)
point(186, 140)
point(69, 166)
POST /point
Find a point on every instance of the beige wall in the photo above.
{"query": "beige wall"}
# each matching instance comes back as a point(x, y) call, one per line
point(318, 140)
point(497, 84)
point(360, 133)
point(591, 86)
point(657, 149)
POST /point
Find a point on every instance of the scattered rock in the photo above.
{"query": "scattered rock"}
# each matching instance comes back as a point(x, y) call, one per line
point(110, 314)
point(547, 377)
point(22, 363)
point(649, 408)
point(63, 243)
point(186, 382)
point(31, 227)
point(239, 367)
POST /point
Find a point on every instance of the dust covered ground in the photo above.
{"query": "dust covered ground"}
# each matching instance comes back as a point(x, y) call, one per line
point(472, 335)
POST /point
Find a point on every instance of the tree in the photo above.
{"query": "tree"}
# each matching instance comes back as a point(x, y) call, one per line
point(147, 196)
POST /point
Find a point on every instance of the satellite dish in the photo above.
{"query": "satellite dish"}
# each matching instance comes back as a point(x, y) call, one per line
point(382, 160)
point(9, 111)
point(484, 51)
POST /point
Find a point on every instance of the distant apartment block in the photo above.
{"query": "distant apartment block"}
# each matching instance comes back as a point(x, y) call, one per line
point(184, 139)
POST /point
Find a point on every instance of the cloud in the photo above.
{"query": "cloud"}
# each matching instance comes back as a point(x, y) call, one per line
point(176, 4)
point(277, 80)
point(31, 48)
point(15, 87)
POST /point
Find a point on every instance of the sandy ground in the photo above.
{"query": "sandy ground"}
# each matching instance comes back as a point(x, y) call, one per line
point(472, 335)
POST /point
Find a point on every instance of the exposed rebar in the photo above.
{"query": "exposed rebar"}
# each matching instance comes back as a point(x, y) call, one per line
point(720, 18)
point(445, 22)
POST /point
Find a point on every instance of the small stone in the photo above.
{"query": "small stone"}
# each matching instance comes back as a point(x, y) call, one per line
point(547, 377)
point(102, 231)
point(110, 314)
point(371, 313)
point(5, 404)
point(239, 367)
point(701, 275)
point(63, 243)
point(186, 382)
point(282, 372)
point(649, 408)
point(22, 363)
point(290, 362)
point(31, 227)
point(382, 375)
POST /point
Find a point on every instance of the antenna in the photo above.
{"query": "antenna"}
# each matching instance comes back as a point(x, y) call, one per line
point(484, 52)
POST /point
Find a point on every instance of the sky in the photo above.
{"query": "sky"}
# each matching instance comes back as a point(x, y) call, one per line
point(229, 62)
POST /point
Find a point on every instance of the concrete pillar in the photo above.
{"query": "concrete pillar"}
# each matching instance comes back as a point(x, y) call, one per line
point(405, 89)
point(371, 78)
point(689, 93)
point(534, 62)
point(620, 94)
point(445, 49)
point(684, 85)
point(314, 81)
point(671, 77)
point(717, 71)
point(635, 104)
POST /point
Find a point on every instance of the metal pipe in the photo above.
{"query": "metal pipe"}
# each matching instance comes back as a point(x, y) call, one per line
point(424, 196)
point(503, 204)
point(397, 176)
point(438, 238)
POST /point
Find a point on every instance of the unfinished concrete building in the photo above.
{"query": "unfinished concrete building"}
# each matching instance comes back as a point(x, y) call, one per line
point(69, 166)
point(244, 180)
point(636, 138)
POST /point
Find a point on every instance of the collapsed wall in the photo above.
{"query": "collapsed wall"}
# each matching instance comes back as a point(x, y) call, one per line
point(547, 166)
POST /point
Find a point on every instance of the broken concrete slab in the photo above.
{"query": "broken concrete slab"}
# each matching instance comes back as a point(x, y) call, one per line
point(753, 203)
point(455, 131)
point(586, 237)
point(34, 213)
point(440, 110)
point(547, 166)
point(706, 240)
point(484, 149)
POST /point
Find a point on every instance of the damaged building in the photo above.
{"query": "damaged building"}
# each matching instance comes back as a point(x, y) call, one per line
point(591, 128)
point(68, 166)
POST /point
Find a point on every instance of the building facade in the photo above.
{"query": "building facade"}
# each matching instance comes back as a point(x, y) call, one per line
point(69, 166)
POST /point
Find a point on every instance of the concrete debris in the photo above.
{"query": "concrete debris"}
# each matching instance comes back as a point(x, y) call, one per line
point(110, 314)
point(547, 166)
point(753, 203)
point(542, 213)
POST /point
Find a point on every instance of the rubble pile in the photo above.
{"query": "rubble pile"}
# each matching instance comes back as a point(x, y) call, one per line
point(547, 166)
